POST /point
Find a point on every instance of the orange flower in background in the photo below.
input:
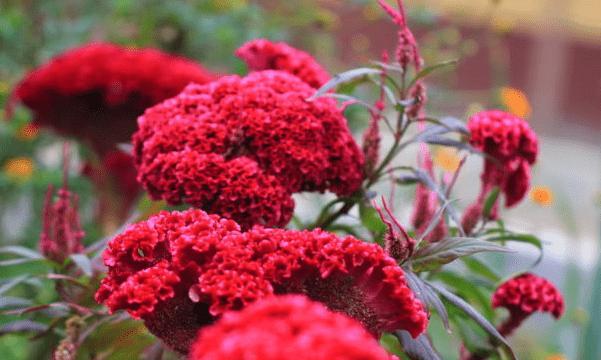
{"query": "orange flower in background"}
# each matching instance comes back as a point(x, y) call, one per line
point(556, 357)
point(516, 102)
point(27, 132)
point(19, 168)
point(447, 159)
point(542, 195)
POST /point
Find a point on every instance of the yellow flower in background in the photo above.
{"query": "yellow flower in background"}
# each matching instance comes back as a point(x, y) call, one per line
point(447, 159)
point(4, 87)
point(27, 132)
point(516, 102)
point(542, 195)
point(556, 357)
point(19, 168)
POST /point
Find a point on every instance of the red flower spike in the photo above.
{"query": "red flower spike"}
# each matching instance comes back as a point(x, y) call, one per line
point(95, 92)
point(396, 247)
point(262, 54)
point(524, 295)
point(240, 147)
point(61, 230)
point(513, 147)
point(426, 202)
point(286, 327)
point(181, 271)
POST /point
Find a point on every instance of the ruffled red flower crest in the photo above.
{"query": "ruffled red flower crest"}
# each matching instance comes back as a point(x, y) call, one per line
point(528, 293)
point(95, 92)
point(512, 144)
point(262, 54)
point(180, 271)
point(240, 147)
point(286, 327)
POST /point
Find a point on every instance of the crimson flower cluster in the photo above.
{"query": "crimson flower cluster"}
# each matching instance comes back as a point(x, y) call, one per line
point(262, 54)
point(512, 146)
point(528, 293)
point(286, 327)
point(240, 147)
point(524, 295)
point(95, 92)
point(180, 271)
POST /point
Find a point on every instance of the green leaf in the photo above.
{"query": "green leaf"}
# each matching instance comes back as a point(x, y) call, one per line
point(430, 69)
point(491, 199)
point(371, 220)
point(6, 286)
point(23, 326)
point(419, 348)
point(477, 317)
point(523, 238)
point(21, 251)
point(82, 262)
point(478, 267)
point(469, 290)
point(344, 77)
point(8, 302)
point(449, 249)
point(428, 296)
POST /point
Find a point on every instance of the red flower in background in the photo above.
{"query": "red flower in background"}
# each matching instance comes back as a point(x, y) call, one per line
point(180, 271)
point(240, 147)
point(286, 327)
point(262, 54)
point(524, 295)
point(96, 92)
point(513, 147)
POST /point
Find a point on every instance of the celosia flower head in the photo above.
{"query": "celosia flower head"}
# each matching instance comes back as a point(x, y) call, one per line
point(262, 54)
point(513, 147)
point(528, 293)
point(61, 230)
point(95, 92)
point(240, 147)
point(286, 327)
point(180, 271)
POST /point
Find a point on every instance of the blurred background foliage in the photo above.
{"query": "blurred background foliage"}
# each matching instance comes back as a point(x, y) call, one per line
point(339, 33)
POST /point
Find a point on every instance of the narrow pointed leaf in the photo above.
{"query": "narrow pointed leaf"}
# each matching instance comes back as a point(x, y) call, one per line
point(21, 251)
point(449, 249)
point(428, 296)
point(476, 316)
point(21, 326)
point(82, 262)
point(430, 69)
point(419, 348)
point(344, 77)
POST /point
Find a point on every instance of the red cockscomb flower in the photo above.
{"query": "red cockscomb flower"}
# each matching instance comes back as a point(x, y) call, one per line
point(240, 147)
point(512, 147)
point(262, 54)
point(180, 271)
point(524, 295)
point(286, 327)
point(96, 92)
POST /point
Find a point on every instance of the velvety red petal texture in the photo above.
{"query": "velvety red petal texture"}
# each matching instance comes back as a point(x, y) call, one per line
point(262, 54)
point(513, 144)
point(179, 271)
point(96, 92)
point(240, 147)
point(286, 327)
point(528, 293)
